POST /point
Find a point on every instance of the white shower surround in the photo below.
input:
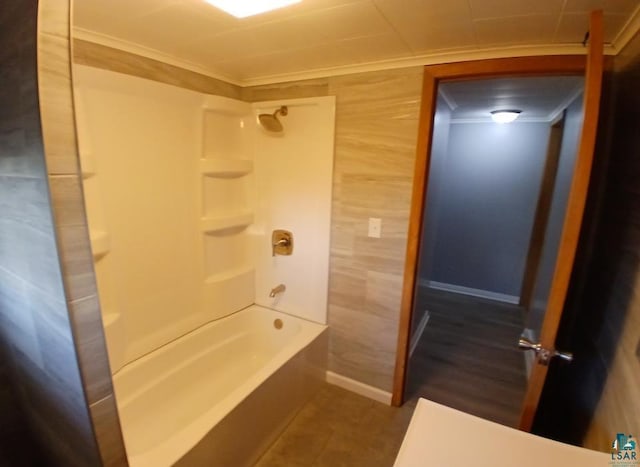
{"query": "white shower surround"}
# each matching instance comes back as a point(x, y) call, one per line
point(293, 192)
point(183, 191)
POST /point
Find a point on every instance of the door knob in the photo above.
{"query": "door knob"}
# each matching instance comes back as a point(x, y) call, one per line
point(544, 355)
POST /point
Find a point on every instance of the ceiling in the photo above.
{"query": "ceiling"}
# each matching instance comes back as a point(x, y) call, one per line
point(540, 99)
point(318, 37)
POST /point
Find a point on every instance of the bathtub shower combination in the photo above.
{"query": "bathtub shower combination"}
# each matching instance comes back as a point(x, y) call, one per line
point(203, 211)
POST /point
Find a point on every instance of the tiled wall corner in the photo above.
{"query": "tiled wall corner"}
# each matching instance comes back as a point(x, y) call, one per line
point(67, 200)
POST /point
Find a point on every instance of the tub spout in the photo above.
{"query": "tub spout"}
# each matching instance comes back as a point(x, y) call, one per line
point(276, 290)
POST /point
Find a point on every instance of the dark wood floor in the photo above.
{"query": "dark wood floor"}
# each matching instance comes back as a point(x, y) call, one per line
point(468, 358)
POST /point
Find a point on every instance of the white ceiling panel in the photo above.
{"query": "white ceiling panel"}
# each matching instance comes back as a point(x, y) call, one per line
point(409, 12)
point(533, 29)
point(505, 8)
point(375, 48)
point(624, 7)
point(321, 34)
point(573, 26)
point(349, 21)
point(182, 38)
point(430, 24)
point(441, 36)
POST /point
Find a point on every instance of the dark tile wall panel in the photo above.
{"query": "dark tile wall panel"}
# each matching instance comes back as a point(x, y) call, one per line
point(70, 222)
point(17, 446)
point(35, 330)
point(597, 396)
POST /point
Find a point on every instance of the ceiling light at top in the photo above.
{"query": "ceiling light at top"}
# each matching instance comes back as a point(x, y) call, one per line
point(505, 116)
point(244, 8)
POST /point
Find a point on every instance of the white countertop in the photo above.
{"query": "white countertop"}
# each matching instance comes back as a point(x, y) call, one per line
point(439, 436)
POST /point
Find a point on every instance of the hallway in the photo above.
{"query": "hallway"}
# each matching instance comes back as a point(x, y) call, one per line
point(468, 358)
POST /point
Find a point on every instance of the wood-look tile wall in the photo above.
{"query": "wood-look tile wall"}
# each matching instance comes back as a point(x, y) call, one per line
point(72, 233)
point(375, 145)
point(35, 324)
point(100, 56)
point(619, 246)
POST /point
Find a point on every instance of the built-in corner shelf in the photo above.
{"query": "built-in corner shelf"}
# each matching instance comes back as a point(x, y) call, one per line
point(87, 167)
point(100, 243)
point(229, 291)
point(225, 168)
point(230, 275)
point(230, 221)
point(110, 319)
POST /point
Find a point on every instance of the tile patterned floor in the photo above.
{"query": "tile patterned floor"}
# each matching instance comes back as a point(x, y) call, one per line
point(340, 428)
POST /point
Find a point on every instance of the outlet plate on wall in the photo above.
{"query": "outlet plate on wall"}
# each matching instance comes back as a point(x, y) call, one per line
point(375, 227)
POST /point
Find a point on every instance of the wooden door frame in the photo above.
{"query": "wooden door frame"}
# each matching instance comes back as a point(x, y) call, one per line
point(552, 65)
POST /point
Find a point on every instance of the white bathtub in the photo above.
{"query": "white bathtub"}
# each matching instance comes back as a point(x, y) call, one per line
point(221, 394)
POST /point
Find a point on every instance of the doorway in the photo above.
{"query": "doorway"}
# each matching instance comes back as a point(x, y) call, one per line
point(592, 67)
point(494, 200)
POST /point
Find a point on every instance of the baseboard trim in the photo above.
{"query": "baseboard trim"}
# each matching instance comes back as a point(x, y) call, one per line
point(358, 387)
point(415, 338)
point(500, 297)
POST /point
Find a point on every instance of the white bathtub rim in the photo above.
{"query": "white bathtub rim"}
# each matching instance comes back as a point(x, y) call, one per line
point(140, 361)
point(123, 370)
point(172, 449)
point(124, 400)
point(179, 443)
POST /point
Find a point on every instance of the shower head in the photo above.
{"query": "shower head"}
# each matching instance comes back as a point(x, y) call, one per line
point(270, 122)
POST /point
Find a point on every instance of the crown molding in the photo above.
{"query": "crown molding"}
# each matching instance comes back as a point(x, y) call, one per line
point(555, 113)
point(550, 117)
point(147, 52)
point(426, 59)
point(628, 31)
point(448, 98)
point(435, 58)
point(454, 121)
